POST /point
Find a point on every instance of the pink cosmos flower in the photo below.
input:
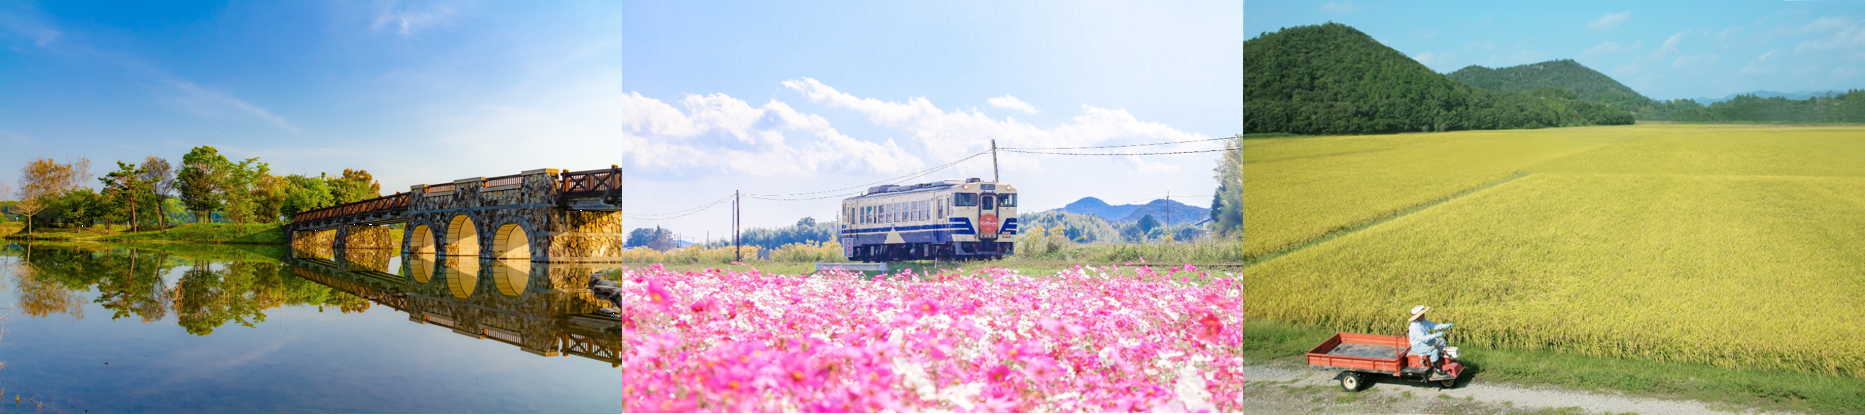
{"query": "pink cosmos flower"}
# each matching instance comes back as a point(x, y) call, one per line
point(1209, 327)
point(658, 295)
point(998, 373)
point(924, 307)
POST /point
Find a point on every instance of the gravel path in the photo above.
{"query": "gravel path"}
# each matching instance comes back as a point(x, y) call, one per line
point(1285, 390)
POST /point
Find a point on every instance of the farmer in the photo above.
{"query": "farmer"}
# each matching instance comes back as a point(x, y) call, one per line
point(1426, 337)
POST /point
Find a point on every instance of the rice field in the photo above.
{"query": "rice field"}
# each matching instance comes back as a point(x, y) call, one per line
point(1299, 189)
point(1734, 246)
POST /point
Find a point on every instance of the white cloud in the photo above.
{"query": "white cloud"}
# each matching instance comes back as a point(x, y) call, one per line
point(197, 100)
point(1610, 47)
point(407, 22)
point(1429, 58)
point(1011, 102)
point(1610, 20)
point(1845, 72)
point(1691, 60)
point(1629, 69)
point(698, 135)
point(950, 135)
point(1762, 64)
point(1671, 44)
point(1835, 33)
point(42, 34)
point(1340, 7)
point(1425, 34)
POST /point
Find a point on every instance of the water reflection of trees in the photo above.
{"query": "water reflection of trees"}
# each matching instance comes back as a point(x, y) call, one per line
point(130, 282)
point(539, 308)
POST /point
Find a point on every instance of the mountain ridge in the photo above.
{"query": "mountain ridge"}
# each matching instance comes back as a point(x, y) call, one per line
point(1181, 212)
point(1334, 79)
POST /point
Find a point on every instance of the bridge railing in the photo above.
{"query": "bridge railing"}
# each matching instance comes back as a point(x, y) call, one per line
point(587, 183)
point(605, 183)
point(385, 203)
point(501, 181)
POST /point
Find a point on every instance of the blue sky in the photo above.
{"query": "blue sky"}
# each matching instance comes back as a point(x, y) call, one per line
point(696, 100)
point(1662, 49)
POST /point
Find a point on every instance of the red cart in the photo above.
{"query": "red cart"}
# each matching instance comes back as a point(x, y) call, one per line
point(1359, 355)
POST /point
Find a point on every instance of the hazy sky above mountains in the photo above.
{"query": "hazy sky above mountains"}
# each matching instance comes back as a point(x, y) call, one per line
point(695, 100)
point(1664, 50)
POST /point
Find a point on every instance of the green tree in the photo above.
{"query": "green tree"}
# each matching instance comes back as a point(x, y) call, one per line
point(161, 180)
point(657, 238)
point(125, 191)
point(1147, 224)
point(202, 178)
point(269, 194)
point(43, 182)
point(354, 186)
point(237, 194)
point(304, 194)
point(1227, 203)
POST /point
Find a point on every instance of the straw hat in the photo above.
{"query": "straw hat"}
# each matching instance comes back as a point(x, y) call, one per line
point(1418, 312)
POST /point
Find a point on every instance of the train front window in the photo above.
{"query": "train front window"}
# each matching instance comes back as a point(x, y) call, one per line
point(1007, 200)
point(965, 199)
point(987, 202)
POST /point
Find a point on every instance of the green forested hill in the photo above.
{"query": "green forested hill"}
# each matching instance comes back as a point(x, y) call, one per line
point(1333, 79)
point(1565, 73)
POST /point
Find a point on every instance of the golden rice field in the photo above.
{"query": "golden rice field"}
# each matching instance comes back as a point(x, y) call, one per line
point(1735, 246)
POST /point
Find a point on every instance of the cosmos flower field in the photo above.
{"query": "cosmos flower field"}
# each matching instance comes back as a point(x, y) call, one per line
point(1116, 338)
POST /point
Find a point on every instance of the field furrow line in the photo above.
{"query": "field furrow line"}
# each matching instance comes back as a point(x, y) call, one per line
point(1350, 229)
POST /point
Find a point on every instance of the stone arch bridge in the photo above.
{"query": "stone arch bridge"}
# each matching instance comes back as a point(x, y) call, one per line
point(545, 215)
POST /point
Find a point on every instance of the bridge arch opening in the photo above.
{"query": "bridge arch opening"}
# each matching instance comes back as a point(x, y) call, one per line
point(511, 275)
point(511, 242)
point(422, 267)
point(462, 237)
point(421, 241)
point(462, 276)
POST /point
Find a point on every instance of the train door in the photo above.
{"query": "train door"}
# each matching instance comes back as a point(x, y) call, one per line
point(987, 216)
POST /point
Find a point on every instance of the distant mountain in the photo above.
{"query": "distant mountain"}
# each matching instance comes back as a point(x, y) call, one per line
point(1334, 79)
point(1564, 73)
point(1097, 207)
point(1181, 213)
point(1796, 96)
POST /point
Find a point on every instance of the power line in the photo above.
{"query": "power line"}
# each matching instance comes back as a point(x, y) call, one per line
point(795, 199)
point(1161, 153)
point(678, 213)
point(1117, 145)
point(892, 180)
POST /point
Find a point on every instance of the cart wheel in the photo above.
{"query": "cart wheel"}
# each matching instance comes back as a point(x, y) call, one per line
point(1448, 383)
point(1350, 381)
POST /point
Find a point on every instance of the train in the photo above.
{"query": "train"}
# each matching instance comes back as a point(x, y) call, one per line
point(943, 220)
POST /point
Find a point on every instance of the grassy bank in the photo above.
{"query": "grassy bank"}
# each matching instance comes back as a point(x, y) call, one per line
point(205, 252)
point(214, 233)
point(218, 233)
point(1285, 344)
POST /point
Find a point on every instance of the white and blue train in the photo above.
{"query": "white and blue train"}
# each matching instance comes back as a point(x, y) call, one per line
point(946, 220)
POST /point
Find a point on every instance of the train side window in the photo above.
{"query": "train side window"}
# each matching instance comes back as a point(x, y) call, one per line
point(965, 199)
point(1007, 200)
point(987, 199)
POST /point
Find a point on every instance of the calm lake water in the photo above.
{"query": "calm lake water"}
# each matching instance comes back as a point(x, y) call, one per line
point(237, 329)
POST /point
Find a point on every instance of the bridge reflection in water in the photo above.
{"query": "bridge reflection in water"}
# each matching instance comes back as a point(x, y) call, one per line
point(543, 308)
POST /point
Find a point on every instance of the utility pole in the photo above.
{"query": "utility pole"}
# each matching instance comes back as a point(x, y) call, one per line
point(737, 253)
point(994, 178)
point(1169, 216)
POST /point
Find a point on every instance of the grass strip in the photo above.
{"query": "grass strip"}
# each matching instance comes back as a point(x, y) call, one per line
point(220, 233)
point(1287, 344)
